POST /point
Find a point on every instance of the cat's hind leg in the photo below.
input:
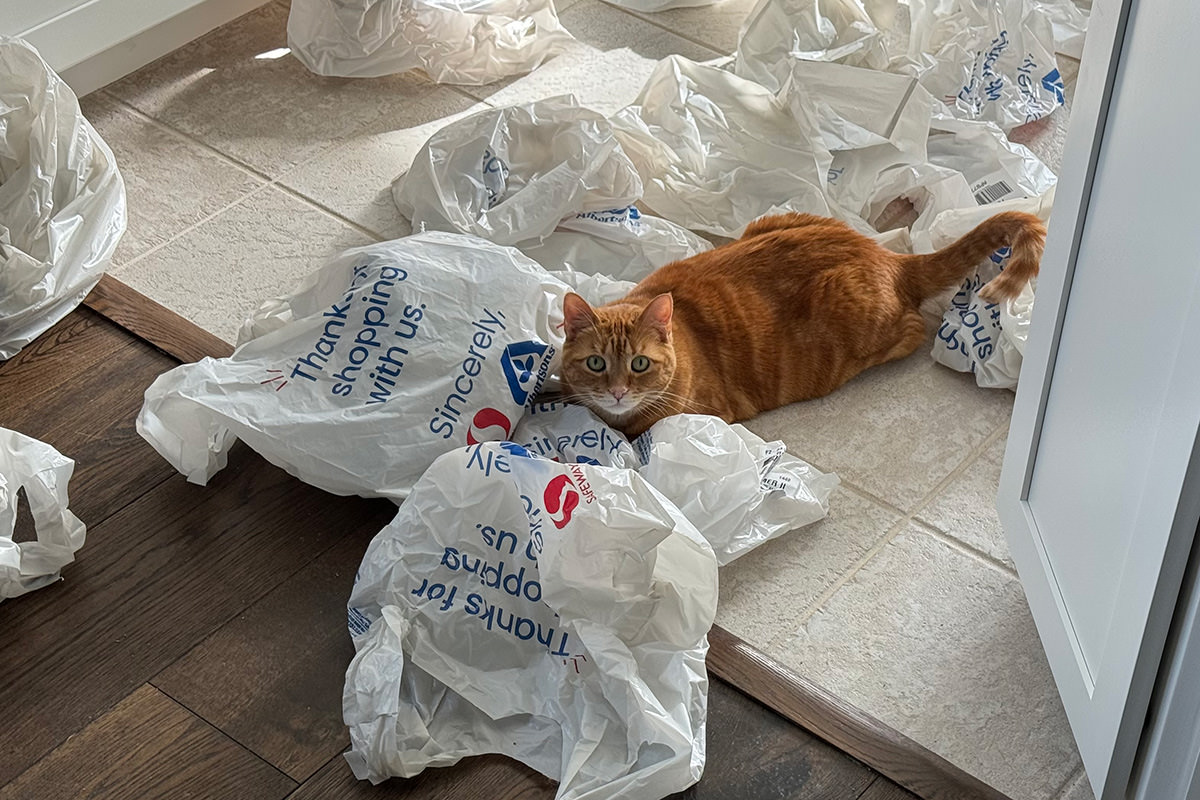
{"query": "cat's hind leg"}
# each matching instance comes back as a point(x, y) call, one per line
point(910, 334)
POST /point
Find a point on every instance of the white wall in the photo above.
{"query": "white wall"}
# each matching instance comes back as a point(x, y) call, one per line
point(17, 16)
point(94, 42)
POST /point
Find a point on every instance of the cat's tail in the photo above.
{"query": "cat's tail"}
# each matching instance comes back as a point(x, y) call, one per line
point(926, 275)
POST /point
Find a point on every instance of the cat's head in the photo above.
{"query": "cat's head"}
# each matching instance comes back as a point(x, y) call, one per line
point(619, 358)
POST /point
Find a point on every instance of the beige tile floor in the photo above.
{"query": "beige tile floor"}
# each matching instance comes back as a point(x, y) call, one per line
point(246, 173)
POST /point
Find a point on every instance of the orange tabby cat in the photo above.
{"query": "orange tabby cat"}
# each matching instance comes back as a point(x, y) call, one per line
point(791, 311)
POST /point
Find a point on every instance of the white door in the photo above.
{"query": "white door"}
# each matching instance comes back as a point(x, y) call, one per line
point(1099, 496)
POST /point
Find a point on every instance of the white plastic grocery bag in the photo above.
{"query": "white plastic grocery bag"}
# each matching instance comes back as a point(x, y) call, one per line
point(512, 174)
point(62, 201)
point(986, 339)
point(989, 60)
point(778, 33)
point(1068, 21)
point(572, 434)
point(870, 121)
point(738, 490)
point(971, 164)
point(622, 243)
point(716, 151)
point(385, 358)
point(470, 42)
point(995, 168)
point(555, 613)
point(43, 473)
point(550, 178)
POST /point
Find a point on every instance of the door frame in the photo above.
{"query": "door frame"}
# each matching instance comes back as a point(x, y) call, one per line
point(1109, 763)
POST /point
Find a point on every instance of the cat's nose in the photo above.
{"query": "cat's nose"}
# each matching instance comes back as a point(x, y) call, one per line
point(619, 393)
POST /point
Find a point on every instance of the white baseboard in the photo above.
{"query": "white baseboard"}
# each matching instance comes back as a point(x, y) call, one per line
point(100, 41)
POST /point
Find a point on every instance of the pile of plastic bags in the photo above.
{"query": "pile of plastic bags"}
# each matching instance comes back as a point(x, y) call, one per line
point(550, 178)
point(546, 580)
point(833, 107)
point(546, 586)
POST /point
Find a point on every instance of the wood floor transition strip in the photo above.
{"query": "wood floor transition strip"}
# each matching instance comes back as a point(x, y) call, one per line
point(788, 694)
point(843, 725)
point(155, 323)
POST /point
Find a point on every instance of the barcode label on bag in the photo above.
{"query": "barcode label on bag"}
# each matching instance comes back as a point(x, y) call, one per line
point(780, 482)
point(768, 456)
point(993, 188)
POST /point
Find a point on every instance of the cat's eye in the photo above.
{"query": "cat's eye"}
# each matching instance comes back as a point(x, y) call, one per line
point(639, 364)
point(595, 363)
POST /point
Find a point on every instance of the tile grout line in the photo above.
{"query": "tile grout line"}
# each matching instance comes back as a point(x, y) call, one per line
point(459, 90)
point(298, 195)
point(1079, 772)
point(906, 519)
point(971, 460)
point(813, 607)
point(879, 501)
point(207, 218)
point(267, 181)
point(663, 27)
point(965, 549)
point(282, 189)
point(187, 137)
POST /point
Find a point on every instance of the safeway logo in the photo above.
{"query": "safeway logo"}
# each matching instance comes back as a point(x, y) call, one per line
point(488, 425)
point(525, 366)
point(561, 499)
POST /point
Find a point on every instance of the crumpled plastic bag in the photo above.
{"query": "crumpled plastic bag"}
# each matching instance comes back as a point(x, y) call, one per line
point(553, 613)
point(43, 472)
point(738, 490)
point(598, 289)
point(1069, 23)
point(468, 42)
point(623, 243)
point(572, 434)
point(386, 357)
point(778, 33)
point(62, 200)
point(995, 168)
point(987, 61)
point(716, 151)
point(971, 163)
point(986, 339)
point(869, 121)
point(548, 177)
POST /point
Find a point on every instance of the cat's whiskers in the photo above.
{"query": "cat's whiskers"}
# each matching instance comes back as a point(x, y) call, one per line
point(685, 401)
point(573, 398)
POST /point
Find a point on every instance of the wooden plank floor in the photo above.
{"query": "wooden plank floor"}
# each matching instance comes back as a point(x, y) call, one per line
point(197, 646)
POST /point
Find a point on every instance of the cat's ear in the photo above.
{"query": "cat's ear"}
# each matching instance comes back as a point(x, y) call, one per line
point(577, 314)
point(657, 316)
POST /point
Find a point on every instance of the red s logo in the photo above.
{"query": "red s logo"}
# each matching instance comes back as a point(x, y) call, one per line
point(560, 495)
point(487, 418)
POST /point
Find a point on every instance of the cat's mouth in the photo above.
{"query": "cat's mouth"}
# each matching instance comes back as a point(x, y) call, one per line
point(616, 407)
